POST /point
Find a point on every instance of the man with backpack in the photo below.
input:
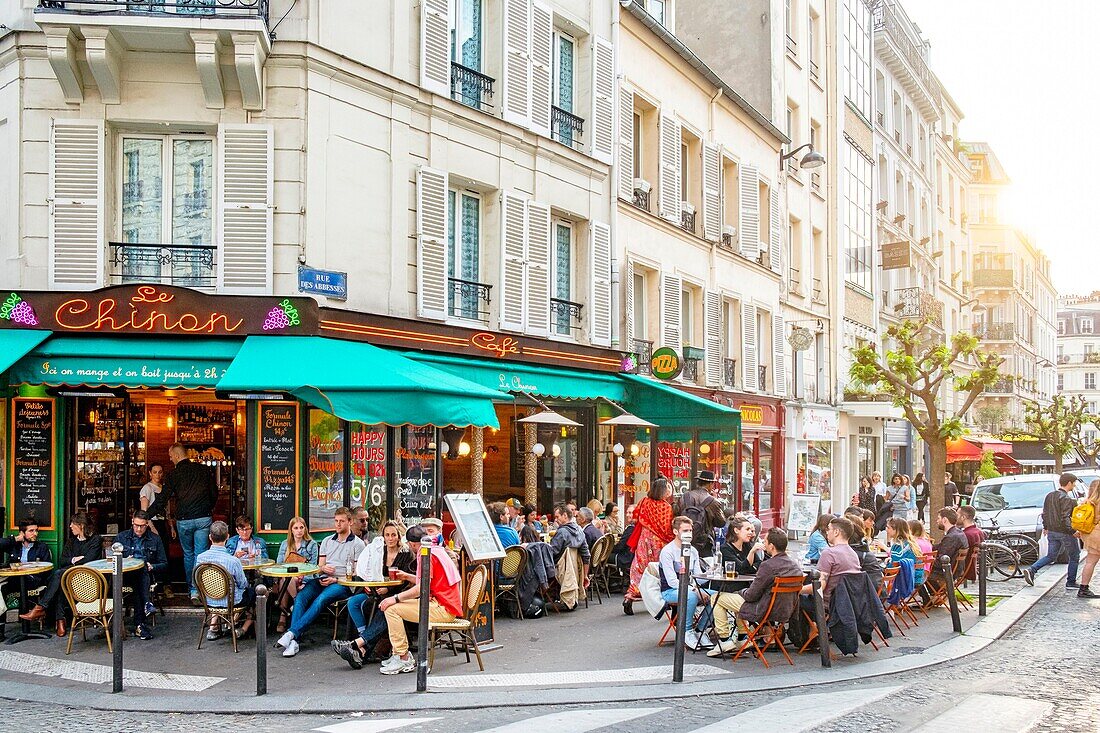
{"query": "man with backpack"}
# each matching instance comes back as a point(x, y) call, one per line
point(702, 508)
point(1058, 508)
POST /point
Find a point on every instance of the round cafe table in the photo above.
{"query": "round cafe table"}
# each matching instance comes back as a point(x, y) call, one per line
point(284, 572)
point(371, 587)
point(258, 563)
point(720, 584)
point(107, 567)
point(22, 571)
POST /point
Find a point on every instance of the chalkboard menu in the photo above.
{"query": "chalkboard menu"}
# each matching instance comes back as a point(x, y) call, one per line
point(33, 460)
point(277, 466)
point(416, 487)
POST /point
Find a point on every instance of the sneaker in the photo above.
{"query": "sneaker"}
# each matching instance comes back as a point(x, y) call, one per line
point(1029, 576)
point(291, 649)
point(284, 640)
point(401, 666)
point(724, 646)
point(195, 599)
point(150, 609)
point(143, 632)
point(213, 634)
point(1084, 592)
point(349, 652)
point(705, 640)
point(392, 660)
point(1072, 585)
point(691, 638)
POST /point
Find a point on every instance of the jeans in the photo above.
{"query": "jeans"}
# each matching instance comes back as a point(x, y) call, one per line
point(1056, 542)
point(672, 595)
point(194, 537)
point(311, 600)
point(358, 612)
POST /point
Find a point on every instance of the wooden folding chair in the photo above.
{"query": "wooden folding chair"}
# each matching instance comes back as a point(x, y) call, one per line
point(768, 629)
point(959, 573)
point(889, 578)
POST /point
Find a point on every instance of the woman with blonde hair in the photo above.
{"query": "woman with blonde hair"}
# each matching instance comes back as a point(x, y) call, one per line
point(1092, 543)
point(298, 547)
point(904, 546)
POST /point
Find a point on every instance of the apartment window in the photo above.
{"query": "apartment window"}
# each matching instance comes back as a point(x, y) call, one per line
point(638, 147)
point(658, 11)
point(177, 212)
point(1086, 325)
point(1090, 380)
point(790, 8)
point(1089, 348)
point(1060, 382)
point(859, 258)
point(857, 63)
point(987, 208)
point(1061, 328)
point(564, 81)
point(685, 170)
point(467, 49)
point(563, 279)
point(687, 320)
point(640, 325)
point(464, 254)
point(812, 45)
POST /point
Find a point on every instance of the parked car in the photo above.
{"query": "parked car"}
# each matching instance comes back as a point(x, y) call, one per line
point(1015, 501)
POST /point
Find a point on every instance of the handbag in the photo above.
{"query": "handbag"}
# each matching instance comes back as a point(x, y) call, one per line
point(294, 557)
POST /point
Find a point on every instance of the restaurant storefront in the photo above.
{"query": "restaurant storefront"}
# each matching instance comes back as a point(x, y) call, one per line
point(815, 433)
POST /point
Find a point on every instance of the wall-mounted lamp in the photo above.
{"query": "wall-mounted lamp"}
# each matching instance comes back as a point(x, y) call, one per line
point(812, 159)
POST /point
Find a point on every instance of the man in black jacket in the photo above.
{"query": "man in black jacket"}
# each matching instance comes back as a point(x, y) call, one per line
point(192, 485)
point(1057, 508)
point(140, 542)
point(705, 512)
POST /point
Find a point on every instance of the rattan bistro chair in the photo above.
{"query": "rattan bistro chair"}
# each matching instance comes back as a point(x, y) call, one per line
point(511, 570)
point(461, 630)
point(214, 584)
point(597, 569)
point(86, 592)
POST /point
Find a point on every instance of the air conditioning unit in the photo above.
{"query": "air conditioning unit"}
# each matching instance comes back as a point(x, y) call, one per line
point(687, 208)
point(641, 184)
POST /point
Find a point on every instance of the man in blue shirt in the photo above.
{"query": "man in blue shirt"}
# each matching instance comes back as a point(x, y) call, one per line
point(218, 554)
point(498, 512)
point(245, 543)
point(138, 542)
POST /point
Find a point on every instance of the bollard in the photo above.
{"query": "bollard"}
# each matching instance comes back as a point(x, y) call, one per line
point(425, 583)
point(681, 611)
point(261, 639)
point(116, 617)
point(819, 619)
point(952, 601)
point(983, 568)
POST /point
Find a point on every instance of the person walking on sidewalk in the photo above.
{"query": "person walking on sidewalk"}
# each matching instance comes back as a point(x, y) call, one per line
point(1057, 508)
point(1092, 543)
point(193, 487)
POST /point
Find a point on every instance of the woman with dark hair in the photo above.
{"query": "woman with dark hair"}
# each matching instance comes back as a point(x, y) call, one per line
point(920, 486)
point(740, 547)
point(817, 541)
point(528, 534)
point(611, 521)
point(897, 497)
point(82, 546)
point(531, 519)
point(652, 531)
point(866, 494)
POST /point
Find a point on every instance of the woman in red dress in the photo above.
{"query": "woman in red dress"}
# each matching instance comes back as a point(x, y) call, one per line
point(652, 531)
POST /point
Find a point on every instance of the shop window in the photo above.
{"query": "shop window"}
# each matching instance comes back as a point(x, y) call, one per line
point(674, 463)
point(634, 464)
point(815, 470)
point(417, 488)
point(866, 455)
point(720, 457)
point(748, 476)
point(765, 484)
point(369, 479)
point(325, 473)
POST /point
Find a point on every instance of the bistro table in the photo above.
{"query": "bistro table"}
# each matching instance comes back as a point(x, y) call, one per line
point(259, 563)
point(22, 570)
point(720, 584)
point(107, 567)
point(372, 587)
point(285, 573)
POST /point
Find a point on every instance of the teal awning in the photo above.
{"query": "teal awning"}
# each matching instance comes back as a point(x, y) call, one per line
point(670, 407)
point(359, 382)
point(541, 381)
point(15, 343)
point(126, 361)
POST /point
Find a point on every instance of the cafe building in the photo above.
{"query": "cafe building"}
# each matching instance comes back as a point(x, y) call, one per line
point(299, 409)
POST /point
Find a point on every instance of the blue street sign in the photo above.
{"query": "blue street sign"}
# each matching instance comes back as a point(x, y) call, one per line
point(323, 282)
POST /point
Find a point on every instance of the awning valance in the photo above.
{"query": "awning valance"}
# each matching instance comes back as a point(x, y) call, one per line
point(971, 449)
point(674, 408)
point(360, 382)
point(15, 343)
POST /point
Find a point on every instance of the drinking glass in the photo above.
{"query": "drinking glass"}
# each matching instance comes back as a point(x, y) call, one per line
point(731, 570)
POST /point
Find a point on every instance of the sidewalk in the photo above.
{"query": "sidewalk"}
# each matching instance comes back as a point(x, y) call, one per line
point(611, 656)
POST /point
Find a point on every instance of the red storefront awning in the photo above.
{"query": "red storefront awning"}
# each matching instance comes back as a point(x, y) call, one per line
point(971, 449)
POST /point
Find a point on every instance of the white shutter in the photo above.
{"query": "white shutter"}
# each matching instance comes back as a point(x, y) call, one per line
point(712, 192)
point(539, 235)
point(513, 259)
point(76, 253)
point(775, 245)
point(627, 274)
point(626, 144)
point(669, 193)
point(712, 337)
point(600, 303)
point(517, 61)
point(748, 227)
point(245, 156)
point(671, 291)
point(779, 363)
point(542, 67)
point(748, 344)
point(435, 46)
point(603, 99)
point(432, 287)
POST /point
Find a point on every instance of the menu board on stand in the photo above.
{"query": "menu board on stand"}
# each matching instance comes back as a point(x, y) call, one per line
point(277, 462)
point(33, 461)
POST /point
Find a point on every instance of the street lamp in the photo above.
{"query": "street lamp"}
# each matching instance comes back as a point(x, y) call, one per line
point(976, 308)
point(812, 159)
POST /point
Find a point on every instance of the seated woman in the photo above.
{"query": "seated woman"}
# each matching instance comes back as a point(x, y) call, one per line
point(612, 523)
point(740, 549)
point(81, 547)
point(528, 534)
point(297, 547)
point(902, 546)
point(531, 519)
point(817, 541)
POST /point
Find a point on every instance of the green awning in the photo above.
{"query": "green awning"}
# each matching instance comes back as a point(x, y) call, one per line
point(541, 381)
point(126, 361)
point(15, 343)
point(359, 382)
point(670, 407)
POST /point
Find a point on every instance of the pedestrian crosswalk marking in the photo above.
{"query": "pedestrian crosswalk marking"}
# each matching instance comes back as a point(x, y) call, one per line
point(997, 713)
point(574, 721)
point(579, 677)
point(371, 726)
point(801, 712)
point(68, 669)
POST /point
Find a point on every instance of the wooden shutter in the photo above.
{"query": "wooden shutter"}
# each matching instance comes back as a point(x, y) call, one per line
point(779, 363)
point(627, 274)
point(432, 286)
point(775, 243)
point(712, 192)
point(435, 46)
point(516, 84)
point(539, 234)
point(671, 290)
point(668, 189)
point(600, 302)
point(245, 154)
point(626, 144)
point(749, 226)
point(603, 99)
point(748, 344)
point(712, 338)
point(542, 67)
point(513, 259)
point(76, 256)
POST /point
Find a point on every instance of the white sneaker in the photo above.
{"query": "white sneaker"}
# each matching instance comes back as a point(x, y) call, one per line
point(391, 661)
point(284, 640)
point(705, 640)
point(291, 649)
point(691, 638)
point(724, 646)
point(401, 666)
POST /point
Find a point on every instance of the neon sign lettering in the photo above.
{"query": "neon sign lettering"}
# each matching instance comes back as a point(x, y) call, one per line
point(78, 314)
point(488, 342)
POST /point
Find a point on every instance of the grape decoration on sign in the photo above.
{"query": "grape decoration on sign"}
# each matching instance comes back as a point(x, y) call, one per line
point(17, 310)
point(284, 315)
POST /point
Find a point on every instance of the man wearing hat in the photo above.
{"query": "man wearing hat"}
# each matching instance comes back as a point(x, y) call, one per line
point(702, 508)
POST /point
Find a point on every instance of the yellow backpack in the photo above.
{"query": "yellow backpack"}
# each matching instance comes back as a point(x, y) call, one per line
point(1083, 519)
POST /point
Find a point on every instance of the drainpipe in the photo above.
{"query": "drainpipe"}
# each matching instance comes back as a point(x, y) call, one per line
point(614, 198)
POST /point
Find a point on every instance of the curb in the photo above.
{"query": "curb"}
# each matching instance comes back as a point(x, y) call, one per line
point(981, 635)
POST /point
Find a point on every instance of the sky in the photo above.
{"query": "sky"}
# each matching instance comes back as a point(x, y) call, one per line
point(1025, 75)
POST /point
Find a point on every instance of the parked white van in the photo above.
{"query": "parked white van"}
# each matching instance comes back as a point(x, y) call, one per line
point(1015, 501)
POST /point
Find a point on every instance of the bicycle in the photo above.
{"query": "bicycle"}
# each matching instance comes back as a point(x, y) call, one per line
point(1007, 553)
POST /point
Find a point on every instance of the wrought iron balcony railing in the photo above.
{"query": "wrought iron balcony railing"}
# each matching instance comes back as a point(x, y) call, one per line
point(471, 87)
point(643, 350)
point(641, 199)
point(687, 221)
point(566, 127)
point(468, 299)
point(729, 372)
point(1004, 385)
point(186, 265)
point(690, 372)
point(216, 8)
point(762, 378)
point(565, 315)
point(915, 303)
point(995, 331)
point(196, 201)
point(885, 19)
point(815, 71)
point(993, 278)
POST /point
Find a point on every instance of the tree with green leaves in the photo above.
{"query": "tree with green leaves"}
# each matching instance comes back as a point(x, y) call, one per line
point(914, 372)
point(1057, 425)
point(1085, 442)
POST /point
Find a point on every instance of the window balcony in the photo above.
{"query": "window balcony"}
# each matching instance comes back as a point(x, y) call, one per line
point(762, 378)
point(641, 199)
point(468, 299)
point(1004, 385)
point(186, 265)
point(687, 221)
point(566, 127)
point(993, 278)
point(471, 88)
point(995, 331)
point(565, 316)
point(643, 353)
point(729, 373)
point(914, 303)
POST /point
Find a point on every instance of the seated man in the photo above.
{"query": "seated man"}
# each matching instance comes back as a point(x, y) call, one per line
point(498, 512)
point(953, 542)
point(25, 547)
point(752, 603)
point(671, 560)
point(836, 560)
point(82, 546)
point(244, 544)
point(337, 552)
point(974, 537)
point(218, 554)
point(586, 520)
point(141, 543)
point(569, 536)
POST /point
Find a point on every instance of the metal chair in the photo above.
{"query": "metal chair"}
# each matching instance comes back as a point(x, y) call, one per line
point(214, 584)
point(86, 592)
point(768, 628)
point(444, 632)
point(511, 570)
